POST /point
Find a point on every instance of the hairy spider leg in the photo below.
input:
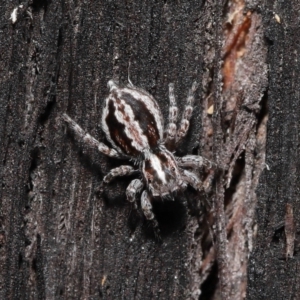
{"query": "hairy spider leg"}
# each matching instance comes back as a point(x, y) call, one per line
point(147, 210)
point(170, 132)
point(88, 139)
point(119, 171)
point(187, 114)
point(192, 179)
point(133, 189)
point(195, 162)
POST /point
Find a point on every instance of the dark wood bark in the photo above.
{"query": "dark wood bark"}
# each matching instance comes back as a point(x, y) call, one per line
point(273, 267)
point(65, 235)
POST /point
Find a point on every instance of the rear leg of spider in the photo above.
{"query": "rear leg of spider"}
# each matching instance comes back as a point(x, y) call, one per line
point(147, 210)
point(187, 114)
point(88, 139)
point(170, 133)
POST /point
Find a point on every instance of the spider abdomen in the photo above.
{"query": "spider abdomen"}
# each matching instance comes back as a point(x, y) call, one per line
point(131, 120)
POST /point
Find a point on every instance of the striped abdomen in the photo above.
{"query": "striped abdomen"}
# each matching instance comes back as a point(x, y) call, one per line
point(131, 120)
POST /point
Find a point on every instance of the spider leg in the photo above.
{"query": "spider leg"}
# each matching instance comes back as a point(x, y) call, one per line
point(147, 206)
point(119, 171)
point(170, 133)
point(88, 139)
point(134, 188)
point(195, 162)
point(147, 210)
point(192, 179)
point(187, 113)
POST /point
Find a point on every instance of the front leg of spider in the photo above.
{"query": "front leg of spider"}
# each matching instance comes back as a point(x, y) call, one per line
point(147, 210)
point(195, 162)
point(192, 179)
point(133, 189)
point(119, 171)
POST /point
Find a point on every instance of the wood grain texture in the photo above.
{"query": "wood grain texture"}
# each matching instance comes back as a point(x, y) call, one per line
point(272, 273)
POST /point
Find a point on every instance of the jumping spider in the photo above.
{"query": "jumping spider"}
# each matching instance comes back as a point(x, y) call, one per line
point(133, 124)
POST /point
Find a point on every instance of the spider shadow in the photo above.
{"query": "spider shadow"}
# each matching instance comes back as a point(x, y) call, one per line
point(170, 215)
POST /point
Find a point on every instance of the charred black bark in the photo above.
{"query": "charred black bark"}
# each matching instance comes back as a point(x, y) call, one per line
point(273, 268)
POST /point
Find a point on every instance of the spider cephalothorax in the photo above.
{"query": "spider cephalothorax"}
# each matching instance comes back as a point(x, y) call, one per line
point(133, 124)
point(161, 173)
